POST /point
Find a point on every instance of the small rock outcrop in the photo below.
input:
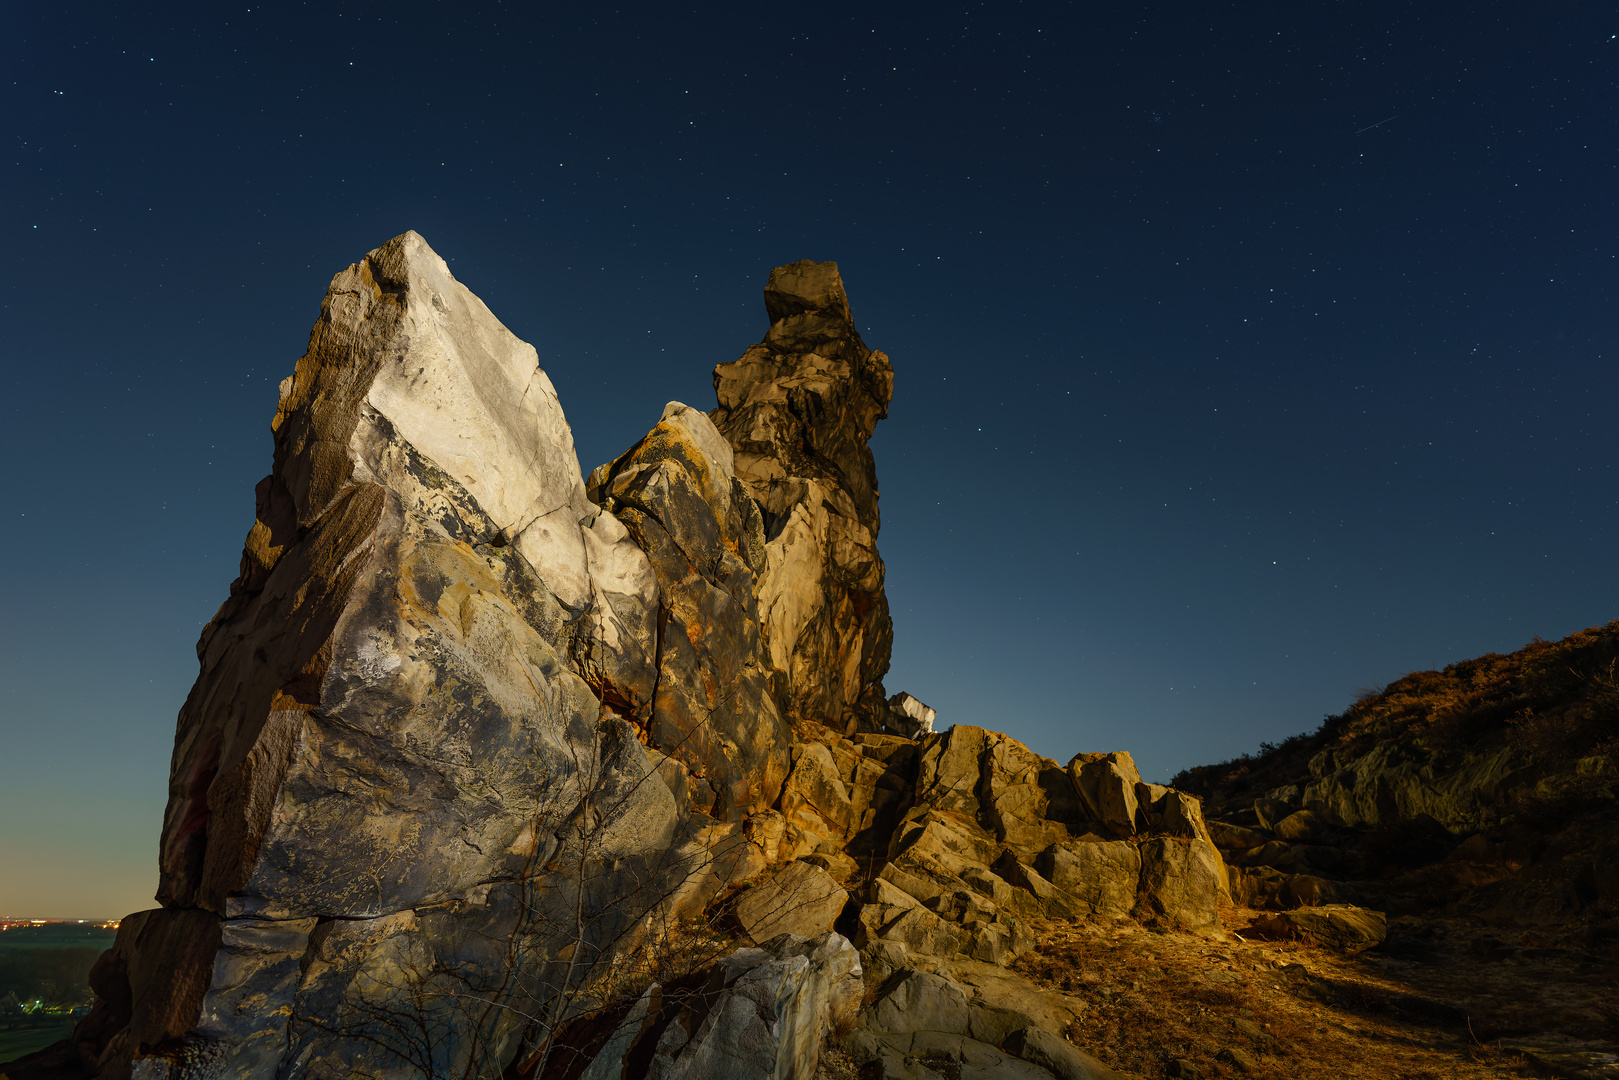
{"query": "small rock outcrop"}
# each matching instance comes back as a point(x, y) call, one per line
point(997, 837)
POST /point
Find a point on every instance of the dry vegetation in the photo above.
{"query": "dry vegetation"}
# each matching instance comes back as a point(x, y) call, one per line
point(1559, 700)
point(1169, 1004)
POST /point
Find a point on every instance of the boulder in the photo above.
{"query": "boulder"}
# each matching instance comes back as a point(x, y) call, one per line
point(1057, 1056)
point(912, 1000)
point(1338, 926)
point(1107, 783)
point(961, 1012)
point(801, 899)
point(1181, 882)
point(1301, 826)
point(1175, 813)
point(1257, 886)
point(1104, 876)
point(909, 717)
point(1306, 890)
point(840, 866)
point(758, 1012)
point(1055, 903)
point(1000, 1002)
point(1269, 811)
point(1230, 837)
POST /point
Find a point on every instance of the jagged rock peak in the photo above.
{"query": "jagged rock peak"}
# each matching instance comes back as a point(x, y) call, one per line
point(402, 348)
point(806, 286)
point(799, 408)
point(458, 697)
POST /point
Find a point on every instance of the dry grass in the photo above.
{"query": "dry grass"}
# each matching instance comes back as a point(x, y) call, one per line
point(1291, 1010)
point(1555, 699)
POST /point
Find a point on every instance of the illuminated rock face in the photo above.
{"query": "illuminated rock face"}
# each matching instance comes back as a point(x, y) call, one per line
point(713, 709)
point(799, 408)
point(427, 696)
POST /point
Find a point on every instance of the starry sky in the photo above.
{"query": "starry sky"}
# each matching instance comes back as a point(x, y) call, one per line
point(1246, 356)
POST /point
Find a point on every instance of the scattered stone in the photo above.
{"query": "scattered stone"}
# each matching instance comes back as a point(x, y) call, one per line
point(1242, 1059)
point(1339, 926)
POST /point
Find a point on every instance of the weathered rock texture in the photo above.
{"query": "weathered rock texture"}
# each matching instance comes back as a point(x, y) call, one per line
point(418, 732)
point(709, 703)
point(798, 408)
point(470, 732)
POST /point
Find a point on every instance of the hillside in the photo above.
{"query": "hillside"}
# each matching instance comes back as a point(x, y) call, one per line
point(1476, 806)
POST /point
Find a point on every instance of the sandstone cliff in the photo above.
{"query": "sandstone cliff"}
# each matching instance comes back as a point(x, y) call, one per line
point(480, 749)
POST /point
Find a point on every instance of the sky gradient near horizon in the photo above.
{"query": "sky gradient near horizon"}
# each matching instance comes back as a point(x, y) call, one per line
point(1246, 356)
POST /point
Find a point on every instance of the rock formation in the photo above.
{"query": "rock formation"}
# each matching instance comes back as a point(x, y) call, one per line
point(799, 408)
point(474, 741)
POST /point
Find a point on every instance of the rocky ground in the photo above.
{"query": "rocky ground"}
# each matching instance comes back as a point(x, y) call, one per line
point(1153, 1002)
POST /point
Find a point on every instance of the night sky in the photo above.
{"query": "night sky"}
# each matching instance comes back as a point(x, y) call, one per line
point(1246, 357)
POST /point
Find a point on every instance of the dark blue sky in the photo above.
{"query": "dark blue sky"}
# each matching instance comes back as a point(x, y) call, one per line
point(1211, 407)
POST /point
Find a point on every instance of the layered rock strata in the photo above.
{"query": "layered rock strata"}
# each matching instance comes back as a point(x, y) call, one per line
point(472, 734)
